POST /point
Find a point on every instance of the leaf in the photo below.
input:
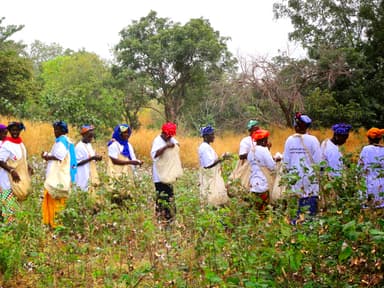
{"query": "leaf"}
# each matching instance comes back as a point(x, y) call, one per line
point(345, 253)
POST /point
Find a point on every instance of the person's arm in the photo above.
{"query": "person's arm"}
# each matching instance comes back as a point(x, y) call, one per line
point(161, 150)
point(15, 176)
point(85, 161)
point(116, 161)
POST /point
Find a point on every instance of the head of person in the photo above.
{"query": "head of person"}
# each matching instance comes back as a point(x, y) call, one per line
point(260, 137)
point(375, 135)
point(252, 125)
point(14, 128)
point(60, 128)
point(340, 133)
point(3, 131)
point(122, 132)
point(208, 133)
point(301, 122)
point(168, 130)
point(87, 132)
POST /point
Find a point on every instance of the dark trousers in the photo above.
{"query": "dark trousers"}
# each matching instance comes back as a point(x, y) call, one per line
point(165, 201)
point(308, 201)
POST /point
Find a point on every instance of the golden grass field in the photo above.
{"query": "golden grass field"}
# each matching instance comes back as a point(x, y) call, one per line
point(39, 137)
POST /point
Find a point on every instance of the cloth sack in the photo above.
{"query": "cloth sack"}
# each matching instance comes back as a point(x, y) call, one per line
point(58, 180)
point(122, 172)
point(242, 172)
point(212, 186)
point(22, 188)
point(168, 165)
point(277, 190)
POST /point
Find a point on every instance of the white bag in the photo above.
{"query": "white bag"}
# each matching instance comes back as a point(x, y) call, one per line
point(58, 180)
point(168, 165)
point(242, 172)
point(212, 186)
point(277, 190)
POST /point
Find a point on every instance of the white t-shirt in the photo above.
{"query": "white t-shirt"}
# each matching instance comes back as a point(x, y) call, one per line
point(299, 160)
point(331, 154)
point(372, 162)
point(59, 151)
point(245, 145)
point(9, 150)
point(260, 156)
point(207, 155)
point(83, 152)
point(157, 144)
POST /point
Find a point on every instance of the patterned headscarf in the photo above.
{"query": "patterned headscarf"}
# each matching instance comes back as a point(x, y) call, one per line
point(20, 125)
point(207, 130)
point(302, 119)
point(62, 125)
point(375, 133)
point(252, 123)
point(85, 128)
point(116, 136)
point(169, 129)
point(341, 129)
point(259, 134)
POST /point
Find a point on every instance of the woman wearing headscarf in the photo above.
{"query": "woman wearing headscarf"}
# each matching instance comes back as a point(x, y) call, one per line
point(242, 170)
point(61, 173)
point(330, 148)
point(122, 159)
point(301, 152)
point(161, 145)
point(15, 170)
point(212, 186)
point(86, 158)
point(372, 163)
point(262, 163)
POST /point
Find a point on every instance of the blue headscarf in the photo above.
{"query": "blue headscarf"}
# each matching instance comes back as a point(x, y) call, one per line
point(341, 129)
point(302, 118)
point(62, 125)
point(117, 136)
point(207, 130)
point(73, 162)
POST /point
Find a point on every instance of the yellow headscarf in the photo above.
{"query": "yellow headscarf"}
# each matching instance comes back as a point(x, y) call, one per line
point(375, 133)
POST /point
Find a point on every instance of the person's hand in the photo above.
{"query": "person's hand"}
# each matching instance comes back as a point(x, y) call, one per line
point(137, 162)
point(15, 176)
point(97, 157)
point(170, 145)
point(44, 155)
point(226, 156)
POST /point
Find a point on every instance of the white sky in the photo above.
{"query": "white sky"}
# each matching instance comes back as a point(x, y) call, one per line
point(94, 24)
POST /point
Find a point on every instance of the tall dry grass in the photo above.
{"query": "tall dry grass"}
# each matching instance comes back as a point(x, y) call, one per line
point(39, 137)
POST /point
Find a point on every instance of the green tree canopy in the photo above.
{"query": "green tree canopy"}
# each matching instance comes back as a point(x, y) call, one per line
point(174, 57)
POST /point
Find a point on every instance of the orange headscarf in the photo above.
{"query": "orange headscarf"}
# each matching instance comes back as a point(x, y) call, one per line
point(259, 134)
point(375, 133)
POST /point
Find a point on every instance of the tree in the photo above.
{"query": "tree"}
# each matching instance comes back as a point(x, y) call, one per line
point(76, 90)
point(343, 32)
point(17, 83)
point(175, 57)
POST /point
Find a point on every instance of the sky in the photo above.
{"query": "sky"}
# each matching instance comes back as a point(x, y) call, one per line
point(95, 24)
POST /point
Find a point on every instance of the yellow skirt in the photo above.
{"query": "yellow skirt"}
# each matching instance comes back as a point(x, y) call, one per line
point(50, 208)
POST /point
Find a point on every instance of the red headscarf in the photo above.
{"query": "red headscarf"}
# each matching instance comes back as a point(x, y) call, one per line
point(169, 129)
point(259, 134)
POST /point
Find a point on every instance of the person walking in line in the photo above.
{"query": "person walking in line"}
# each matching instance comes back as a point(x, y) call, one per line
point(60, 174)
point(121, 162)
point(86, 158)
point(242, 170)
point(15, 181)
point(262, 164)
point(301, 152)
point(165, 170)
point(330, 148)
point(372, 163)
point(212, 186)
